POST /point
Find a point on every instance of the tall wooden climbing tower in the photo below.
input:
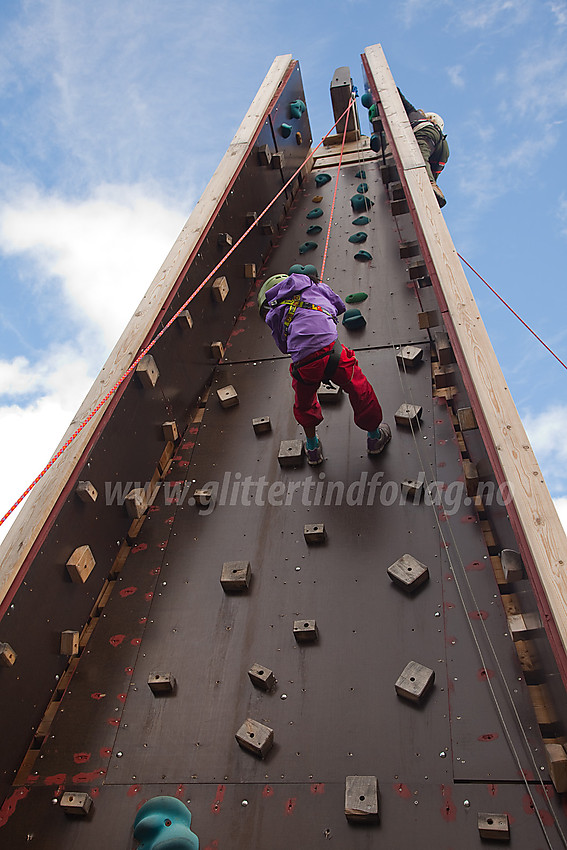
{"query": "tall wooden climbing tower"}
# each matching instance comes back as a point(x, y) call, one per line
point(367, 652)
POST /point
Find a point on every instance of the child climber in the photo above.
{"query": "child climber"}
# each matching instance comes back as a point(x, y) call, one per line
point(301, 312)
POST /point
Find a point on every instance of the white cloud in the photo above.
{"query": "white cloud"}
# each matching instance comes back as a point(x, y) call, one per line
point(493, 14)
point(548, 436)
point(559, 10)
point(562, 214)
point(455, 73)
point(561, 508)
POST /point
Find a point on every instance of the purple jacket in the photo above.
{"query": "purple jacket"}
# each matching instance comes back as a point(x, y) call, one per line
point(309, 330)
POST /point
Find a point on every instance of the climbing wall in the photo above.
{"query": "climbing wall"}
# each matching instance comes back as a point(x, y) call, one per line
point(338, 578)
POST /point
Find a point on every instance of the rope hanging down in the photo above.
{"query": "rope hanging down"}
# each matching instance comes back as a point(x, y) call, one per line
point(351, 100)
point(151, 344)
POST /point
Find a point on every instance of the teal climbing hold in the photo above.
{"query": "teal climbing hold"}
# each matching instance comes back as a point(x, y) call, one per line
point(285, 130)
point(376, 142)
point(361, 175)
point(321, 179)
point(307, 246)
point(297, 108)
point(373, 113)
point(361, 202)
point(361, 188)
point(362, 219)
point(359, 237)
point(353, 319)
point(316, 213)
point(308, 270)
point(164, 822)
point(367, 100)
point(363, 256)
point(356, 297)
point(313, 229)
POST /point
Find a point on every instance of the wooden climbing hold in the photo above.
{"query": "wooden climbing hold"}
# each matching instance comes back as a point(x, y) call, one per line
point(264, 155)
point(136, 502)
point(315, 533)
point(409, 356)
point(86, 491)
point(81, 564)
point(76, 803)
point(408, 414)
point(261, 424)
point(147, 371)
point(220, 288)
point(161, 683)
point(262, 677)
point(169, 431)
point(236, 575)
point(305, 630)
point(362, 802)
point(290, 453)
point(408, 573)
point(69, 642)
point(255, 737)
point(415, 681)
point(493, 826)
point(7, 655)
point(227, 396)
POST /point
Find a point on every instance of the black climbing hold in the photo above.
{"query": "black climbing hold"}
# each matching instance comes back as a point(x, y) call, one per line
point(353, 319)
point(361, 175)
point(307, 246)
point(321, 179)
point(356, 297)
point(362, 187)
point(308, 270)
point(357, 238)
point(362, 219)
point(297, 108)
point(285, 130)
point(316, 213)
point(360, 203)
point(313, 229)
point(363, 256)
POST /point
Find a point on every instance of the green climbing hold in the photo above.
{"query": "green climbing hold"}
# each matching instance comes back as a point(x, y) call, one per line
point(362, 187)
point(307, 246)
point(309, 270)
point(321, 179)
point(362, 219)
point(313, 229)
point(360, 203)
point(363, 256)
point(361, 175)
point(316, 213)
point(353, 319)
point(285, 130)
point(357, 238)
point(297, 108)
point(373, 113)
point(356, 297)
point(367, 100)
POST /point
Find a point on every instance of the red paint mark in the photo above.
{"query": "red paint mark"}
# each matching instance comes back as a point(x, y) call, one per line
point(56, 779)
point(136, 641)
point(478, 615)
point(141, 547)
point(242, 318)
point(133, 790)
point(450, 640)
point(149, 596)
point(153, 509)
point(97, 695)
point(469, 518)
point(189, 445)
point(546, 817)
point(483, 674)
point(213, 845)
point(448, 809)
point(105, 752)
point(31, 779)
point(156, 571)
point(10, 803)
point(237, 331)
point(94, 792)
point(193, 430)
point(83, 778)
point(290, 805)
point(177, 457)
point(488, 736)
point(446, 546)
point(449, 605)
point(143, 620)
point(443, 516)
point(121, 697)
point(128, 591)
point(180, 793)
point(474, 566)
point(527, 774)
point(113, 721)
point(527, 805)
point(267, 791)
point(169, 521)
point(493, 789)
point(548, 791)
point(441, 442)
point(116, 640)
point(184, 463)
point(216, 805)
point(439, 421)
point(162, 545)
point(81, 758)
point(402, 790)
point(441, 464)
point(318, 788)
point(128, 670)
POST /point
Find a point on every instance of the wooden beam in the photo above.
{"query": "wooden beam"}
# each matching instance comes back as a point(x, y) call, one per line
point(39, 504)
point(541, 536)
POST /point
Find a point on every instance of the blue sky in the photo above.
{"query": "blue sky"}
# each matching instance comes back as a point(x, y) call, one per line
point(113, 117)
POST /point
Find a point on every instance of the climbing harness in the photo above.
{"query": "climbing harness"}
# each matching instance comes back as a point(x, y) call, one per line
point(294, 305)
point(334, 356)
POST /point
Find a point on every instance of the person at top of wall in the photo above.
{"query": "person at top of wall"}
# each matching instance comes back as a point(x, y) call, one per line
point(428, 130)
point(301, 312)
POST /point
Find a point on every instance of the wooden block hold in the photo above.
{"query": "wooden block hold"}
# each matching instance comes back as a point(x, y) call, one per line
point(236, 575)
point(362, 801)
point(408, 573)
point(524, 626)
point(278, 159)
point(443, 348)
point(217, 350)
point(397, 191)
point(315, 533)
point(267, 229)
point(471, 477)
point(86, 491)
point(494, 827)
point(136, 502)
point(408, 414)
point(203, 496)
point(290, 453)
point(409, 356)
point(512, 565)
point(220, 289)
point(224, 240)
point(227, 396)
point(428, 319)
point(389, 173)
point(305, 630)
point(467, 419)
point(161, 683)
point(415, 681)
point(412, 489)
point(262, 677)
point(261, 424)
point(264, 155)
point(7, 655)
point(185, 319)
point(399, 207)
point(557, 763)
point(255, 737)
point(81, 564)
point(417, 269)
point(329, 393)
point(147, 371)
point(251, 218)
point(409, 249)
point(76, 803)
point(250, 271)
point(443, 377)
point(169, 431)
point(69, 642)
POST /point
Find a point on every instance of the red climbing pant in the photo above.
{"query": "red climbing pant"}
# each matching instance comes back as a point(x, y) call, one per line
point(349, 376)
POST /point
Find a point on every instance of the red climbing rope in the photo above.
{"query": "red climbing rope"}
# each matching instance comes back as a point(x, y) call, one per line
point(131, 368)
point(539, 339)
point(336, 184)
